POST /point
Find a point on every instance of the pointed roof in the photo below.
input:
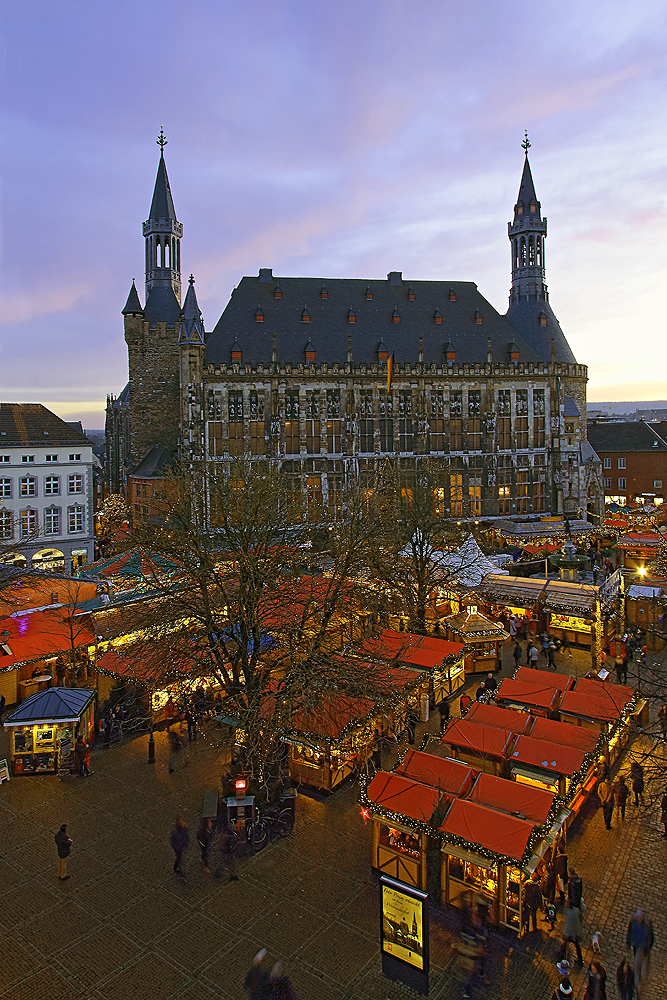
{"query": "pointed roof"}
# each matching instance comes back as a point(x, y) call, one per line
point(162, 205)
point(192, 324)
point(527, 187)
point(162, 305)
point(53, 705)
point(133, 304)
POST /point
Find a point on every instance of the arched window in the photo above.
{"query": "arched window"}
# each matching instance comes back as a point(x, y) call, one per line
point(531, 250)
point(178, 255)
point(515, 253)
point(522, 252)
point(158, 254)
point(538, 250)
point(167, 254)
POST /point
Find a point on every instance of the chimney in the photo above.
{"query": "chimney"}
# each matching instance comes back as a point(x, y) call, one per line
point(266, 275)
point(395, 277)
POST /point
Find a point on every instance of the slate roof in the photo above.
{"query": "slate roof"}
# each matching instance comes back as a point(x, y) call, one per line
point(527, 189)
point(162, 305)
point(154, 463)
point(53, 705)
point(571, 408)
point(631, 435)
point(162, 205)
point(525, 318)
point(328, 329)
point(133, 304)
point(27, 424)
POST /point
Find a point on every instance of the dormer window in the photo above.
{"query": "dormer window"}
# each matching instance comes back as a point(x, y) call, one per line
point(351, 317)
point(513, 351)
point(237, 353)
point(305, 316)
point(277, 292)
point(437, 316)
point(452, 295)
point(479, 319)
point(383, 353)
point(309, 353)
point(519, 208)
point(411, 294)
point(543, 319)
point(533, 206)
point(450, 353)
point(259, 316)
point(324, 293)
point(396, 316)
point(369, 294)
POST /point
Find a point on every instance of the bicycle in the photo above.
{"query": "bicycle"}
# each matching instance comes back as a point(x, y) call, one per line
point(273, 822)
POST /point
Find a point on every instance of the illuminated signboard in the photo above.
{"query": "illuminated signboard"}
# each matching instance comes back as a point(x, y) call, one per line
point(404, 934)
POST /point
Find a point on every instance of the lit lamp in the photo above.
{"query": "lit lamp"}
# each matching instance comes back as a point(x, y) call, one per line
point(641, 571)
point(241, 786)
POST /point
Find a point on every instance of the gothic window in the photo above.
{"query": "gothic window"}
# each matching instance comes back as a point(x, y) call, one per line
point(386, 404)
point(6, 525)
point(366, 402)
point(333, 402)
point(256, 406)
point(522, 491)
point(456, 494)
point(312, 422)
point(52, 521)
point(166, 253)
point(257, 443)
point(515, 253)
point(531, 250)
point(474, 402)
point(438, 508)
point(504, 420)
point(333, 433)
point(74, 519)
point(538, 250)
point(522, 418)
point(437, 421)
point(292, 422)
point(475, 496)
point(456, 403)
point(522, 251)
point(437, 403)
point(366, 441)
point(313, 404)
point(235, 422)
point(386, 429)
point(405, 435)
point(235, 406)
point(404, 403)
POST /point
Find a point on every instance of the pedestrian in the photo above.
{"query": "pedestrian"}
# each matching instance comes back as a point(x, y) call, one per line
point(410, 726)
point(575, 889)
point(663, 811)
point(175, 749)
point(445, 712)
point(257, 979)
point(621, 794)
point(606, 797)
point(204, 837)
point(637, 775)
point(551, 652)
point(191, 719)
point(534, 653)
point(81, 752)
point(179, 840)
point(564, 989)
point(561, 872)
point(464, 704)
point(548, 888)
point(573, 931)
point(472, 946)
point(533, 898)
point(625, 980)
point(596, 988)
point(490, 683)
point(480, 692)
point(63, 845)
point(624, 669)
point(279, 987)
point(545, 646)
point(662, 721)
point(639, 936)
point(516, 653)
point(108, 726)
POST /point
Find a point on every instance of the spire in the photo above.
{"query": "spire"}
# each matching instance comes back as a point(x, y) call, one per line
point(133, 305)
point(162, 233)
point(192, 325)
point(526, 196)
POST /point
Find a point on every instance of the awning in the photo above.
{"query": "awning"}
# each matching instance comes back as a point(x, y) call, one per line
point(443, 773)
point(401, 795)
point(483, 740)
point(570, 598)
point(52, 706)
point(500, 718)
point(562, 682)
point(547, 756)
point(544, 696)
point(491, 829)
point(564, 734)
point(618, 695)
point(511, 797)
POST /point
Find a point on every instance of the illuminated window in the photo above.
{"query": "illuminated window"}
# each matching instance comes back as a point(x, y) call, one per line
point(28, 523)
point(456, 494)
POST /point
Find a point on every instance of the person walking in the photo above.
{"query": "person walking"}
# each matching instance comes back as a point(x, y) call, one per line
point(256, 981)
point(596, 988)
point(561, 872)
point(533, 898)
point(551, 653)
point(63, 846)
point(464, 704)
point(204, 837)
point(445, 712)
point(279, 987)
point(534, 654)
point(81, 751)
point(575, 889)
point(621, 795)
point(573, 931)
point(179, 840)
point(625, 980)
point(640, 937)
point(606, 797)
point(175, 743)
point(516, 653)
point(491, 684)
point(637, 775)
point(564, 989)
point(191, 719)
point(410, 726)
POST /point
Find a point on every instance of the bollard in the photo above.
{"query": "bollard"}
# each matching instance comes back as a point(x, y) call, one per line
point(151, 748)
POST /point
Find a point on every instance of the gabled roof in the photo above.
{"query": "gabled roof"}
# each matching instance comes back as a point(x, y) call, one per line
point(499, 718)
point(401, 795)
point(543, 695)
point(32, 424)
point(328, 329)
point(627, 436)
point(192, 324)
point(53, 705)
point(483, 740)
point(547, 756)
point(564, 734)
point(490, 828)
point(524, 316)
point(154, 464)
point(162, 205)
point(444, 773)
point(562, 682)
point(511, 797)
point(40, 634)
point(136, 562)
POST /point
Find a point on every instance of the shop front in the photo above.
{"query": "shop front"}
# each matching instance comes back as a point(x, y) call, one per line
point(45, 727)
point(549, 767)
point(514, 597)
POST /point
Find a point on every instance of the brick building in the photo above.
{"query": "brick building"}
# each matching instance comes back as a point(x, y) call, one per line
point(634, 460)
point(296, 370)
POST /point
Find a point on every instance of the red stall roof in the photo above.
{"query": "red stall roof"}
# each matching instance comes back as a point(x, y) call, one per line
point(543, 695)
point(584, 706)
point(407, 648)
point(493, 830)
point(42, 635)
point(561, 681)
point(617, 694)
point(564, 734)
point(500, 718)
point(547, 756)
point(401, 795)
point(486, 740)
point(443, 773)
point(500, 793)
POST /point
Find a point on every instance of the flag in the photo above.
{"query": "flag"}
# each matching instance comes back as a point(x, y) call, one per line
point(390, 369)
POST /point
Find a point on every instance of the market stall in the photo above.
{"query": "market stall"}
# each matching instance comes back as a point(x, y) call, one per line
point(603, 708)
point(483, 747)
point(500, 718)
point(447, 775)
point(540, 699)
point(518, 596)
point(45, 728)
point(482, 637)
point(582, 614)
point(547, 765)
point(562, 682)
point(442, 660)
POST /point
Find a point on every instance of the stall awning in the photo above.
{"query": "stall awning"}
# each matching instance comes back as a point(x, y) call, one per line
point(515, 591)
point(484, 740)
point(404, 796)
point(473, 627)
point(570, 598)
point(418, 650)
point(617, 695)
point(509, 796)
point(563, 682)
point(445, 774)
point(583, 706)
point(544, 695)
point(53, 706)
point(500, 718)
point(547, 756)
point(141, 669)
point(43, 635)
point(489, 828)
point(564, 734)
point(640, 542)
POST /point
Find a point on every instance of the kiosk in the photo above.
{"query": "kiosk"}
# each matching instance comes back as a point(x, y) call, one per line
point(45, 727)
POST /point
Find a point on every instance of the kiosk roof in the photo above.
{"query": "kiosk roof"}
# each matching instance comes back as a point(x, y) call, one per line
point(617, 695)
point(547, 756)
point(585, 706)
point(509, 796)
point(500, 718)
point(543, 695)
point(484, 740)
point(443, 773)
point(52, 705)
point(564, 734)
point(404, 796)
point(491, 829)
point(561, 681)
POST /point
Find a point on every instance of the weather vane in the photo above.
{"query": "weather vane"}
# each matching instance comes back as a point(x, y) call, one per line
point(525, 145)
point(161, 140)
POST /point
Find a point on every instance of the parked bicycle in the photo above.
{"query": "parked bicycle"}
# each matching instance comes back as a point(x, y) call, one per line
point(272, 822)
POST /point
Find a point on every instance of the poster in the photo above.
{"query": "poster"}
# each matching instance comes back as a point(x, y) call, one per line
point(402, 925)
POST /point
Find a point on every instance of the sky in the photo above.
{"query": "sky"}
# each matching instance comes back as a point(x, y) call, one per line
point(336, 139)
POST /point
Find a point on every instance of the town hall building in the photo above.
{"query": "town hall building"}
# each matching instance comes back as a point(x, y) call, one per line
point(295, 370)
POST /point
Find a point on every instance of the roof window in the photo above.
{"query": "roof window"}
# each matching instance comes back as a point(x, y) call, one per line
point(533, 206)
point(452, 295)
point(383, 353)
point(544, 321)
point(437, 316)
point(450, 353)
point(479, 319)
point(519, 208)
point(369, 294)
point(305, 316)
point(237, 353)
point(277, 292)
point(396, 316)
point(351, 316)
point(324, 293)
point(259, 315)
point(411, 294)
point(309, 352)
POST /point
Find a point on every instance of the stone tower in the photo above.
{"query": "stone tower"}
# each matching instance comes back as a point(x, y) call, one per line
point(191, 342)
point(529, 311)
point(152, 332)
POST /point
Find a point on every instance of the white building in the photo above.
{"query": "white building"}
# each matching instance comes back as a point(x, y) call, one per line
point(46, 489)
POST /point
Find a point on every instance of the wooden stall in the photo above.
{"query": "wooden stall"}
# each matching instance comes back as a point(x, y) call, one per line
point(600, 707)
point(449, 776)
point(545, 765)
point(541, 699)
point(645, 608)
point(562, 682)
point(440, 659)
point(499, 718)
point(483, 747)
point(45, 727)
point(482, 637)
point(518, 596)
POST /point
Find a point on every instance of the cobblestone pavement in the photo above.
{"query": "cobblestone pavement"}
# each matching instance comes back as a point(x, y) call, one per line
point(123, 926)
